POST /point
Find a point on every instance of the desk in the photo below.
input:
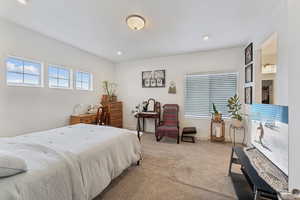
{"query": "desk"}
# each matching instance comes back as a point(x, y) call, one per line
point(149, 115)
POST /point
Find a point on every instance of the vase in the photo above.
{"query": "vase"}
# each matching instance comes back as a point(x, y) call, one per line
point(237, 123)
point(113, 98)
point(217, 117)
point(108, 99)
point(105, 99)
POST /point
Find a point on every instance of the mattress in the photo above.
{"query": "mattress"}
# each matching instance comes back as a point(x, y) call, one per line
point(71, 163)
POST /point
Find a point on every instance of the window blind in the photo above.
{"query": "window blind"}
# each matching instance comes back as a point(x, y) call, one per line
point(201, 91)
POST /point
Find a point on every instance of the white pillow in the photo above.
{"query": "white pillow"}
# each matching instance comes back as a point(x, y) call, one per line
point(11, 165)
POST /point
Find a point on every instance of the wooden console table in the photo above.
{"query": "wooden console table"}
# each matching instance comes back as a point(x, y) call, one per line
point(259, 186)
point(149, 115)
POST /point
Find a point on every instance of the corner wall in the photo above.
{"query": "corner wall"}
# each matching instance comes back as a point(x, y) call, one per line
point(28, 109)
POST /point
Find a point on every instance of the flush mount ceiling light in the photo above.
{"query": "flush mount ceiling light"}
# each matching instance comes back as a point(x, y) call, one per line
point(24, 2)
point(205, 37)
point(119, 53)
point(135, 22)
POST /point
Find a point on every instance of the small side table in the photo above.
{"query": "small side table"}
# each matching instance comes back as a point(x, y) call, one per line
point(234, 128)
point(213, 136)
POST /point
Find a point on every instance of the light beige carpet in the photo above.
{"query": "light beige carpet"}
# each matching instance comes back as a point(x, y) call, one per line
point(171, 171)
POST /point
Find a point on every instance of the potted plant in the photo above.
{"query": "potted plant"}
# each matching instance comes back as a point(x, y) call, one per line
point(109, 89)
point(216, 114)
point(235, 107)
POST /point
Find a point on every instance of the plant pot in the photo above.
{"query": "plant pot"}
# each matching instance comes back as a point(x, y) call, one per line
point(237, 123)
point(217, 117)
point(105, 99)
point(113, 98)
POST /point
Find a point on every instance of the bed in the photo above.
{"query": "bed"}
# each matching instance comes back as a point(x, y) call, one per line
point(71, 163)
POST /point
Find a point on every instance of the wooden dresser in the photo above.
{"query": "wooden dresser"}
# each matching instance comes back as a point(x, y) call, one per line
point(115, 116)
point(115, 110)
point(84, 118)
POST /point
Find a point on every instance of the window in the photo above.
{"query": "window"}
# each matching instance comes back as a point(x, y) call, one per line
point(83, 81)
point(201, 91)
point(59, 77)
point(23, 72)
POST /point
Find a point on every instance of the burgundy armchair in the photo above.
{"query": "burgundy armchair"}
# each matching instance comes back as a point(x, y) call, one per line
point(169, 127)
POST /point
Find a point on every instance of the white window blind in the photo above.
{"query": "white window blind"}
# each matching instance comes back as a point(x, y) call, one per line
point(201, 91)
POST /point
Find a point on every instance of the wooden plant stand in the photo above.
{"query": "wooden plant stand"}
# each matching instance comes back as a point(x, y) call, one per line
point(214, 138)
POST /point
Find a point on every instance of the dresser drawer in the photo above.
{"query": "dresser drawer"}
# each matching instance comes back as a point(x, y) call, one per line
point(74, 120)
point(116, 109)
point(114, 116)
point(85, 119)
point(116, 123)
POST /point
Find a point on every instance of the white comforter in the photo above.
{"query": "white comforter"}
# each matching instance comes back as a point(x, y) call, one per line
point(70, 163)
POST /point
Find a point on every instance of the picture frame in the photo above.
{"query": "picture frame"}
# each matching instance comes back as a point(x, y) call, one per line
point(154, 79)
point(249, 74)
point(249, 54)
point(248, 95)
point(151, 105)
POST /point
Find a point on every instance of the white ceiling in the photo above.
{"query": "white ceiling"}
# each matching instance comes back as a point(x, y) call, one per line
point(172, 26)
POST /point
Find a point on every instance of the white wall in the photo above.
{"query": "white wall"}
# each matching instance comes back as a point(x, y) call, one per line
point(131, 92)
point(294, 95)
point(276, 23)
point(26, 109)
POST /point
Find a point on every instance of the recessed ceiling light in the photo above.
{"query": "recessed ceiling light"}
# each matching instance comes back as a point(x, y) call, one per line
point(24, 2)
point(119, 53)
point(135, 22)
point(206, 37)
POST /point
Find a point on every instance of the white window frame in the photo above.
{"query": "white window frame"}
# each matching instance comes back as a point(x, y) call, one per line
point(207, 74)
point(71, 82)
point(41, 85)
point(90, 84)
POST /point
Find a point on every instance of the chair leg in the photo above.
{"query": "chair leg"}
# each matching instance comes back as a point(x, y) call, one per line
point(178, 138)
point(158, 138)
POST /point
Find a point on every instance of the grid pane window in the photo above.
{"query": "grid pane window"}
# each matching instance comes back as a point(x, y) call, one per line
point(83, 81)
point(59, 77)
point(23, 72)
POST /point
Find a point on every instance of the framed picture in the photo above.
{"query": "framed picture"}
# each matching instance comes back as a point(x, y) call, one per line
point(154, 79)
point(248, 95)
point(249, 74)
point(249, 54)
point(151, 105)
